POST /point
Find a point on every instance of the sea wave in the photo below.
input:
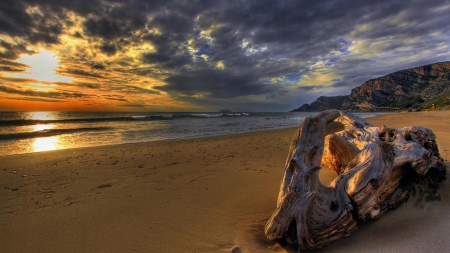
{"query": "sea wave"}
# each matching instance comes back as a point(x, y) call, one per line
point(48, 132)
point(205, 115)
point(28, 122)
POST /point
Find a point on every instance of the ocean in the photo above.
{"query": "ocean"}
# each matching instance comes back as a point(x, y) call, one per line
point(27, 132)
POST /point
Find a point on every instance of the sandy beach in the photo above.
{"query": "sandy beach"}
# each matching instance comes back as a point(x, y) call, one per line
point(193, 195)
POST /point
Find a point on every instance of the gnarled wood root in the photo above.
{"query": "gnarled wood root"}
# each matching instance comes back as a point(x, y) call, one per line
point(377, 169)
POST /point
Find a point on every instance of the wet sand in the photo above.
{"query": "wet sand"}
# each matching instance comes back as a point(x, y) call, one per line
point(195, 195)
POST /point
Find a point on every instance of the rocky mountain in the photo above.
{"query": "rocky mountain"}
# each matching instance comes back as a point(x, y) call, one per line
point(418, 87)
point(323, 103)
point(421, 88)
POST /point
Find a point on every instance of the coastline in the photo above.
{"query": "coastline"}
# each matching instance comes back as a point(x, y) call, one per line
point(204, 194)
point(22, 133)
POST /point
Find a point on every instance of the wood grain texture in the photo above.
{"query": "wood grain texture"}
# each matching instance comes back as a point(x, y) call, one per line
point(377, 170)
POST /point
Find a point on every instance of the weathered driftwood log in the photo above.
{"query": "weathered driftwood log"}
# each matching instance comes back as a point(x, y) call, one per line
point(377, 170)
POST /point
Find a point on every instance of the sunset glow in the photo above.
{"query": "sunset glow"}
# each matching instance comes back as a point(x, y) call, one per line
point(184, 56)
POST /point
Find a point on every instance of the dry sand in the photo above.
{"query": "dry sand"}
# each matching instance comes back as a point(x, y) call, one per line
point(196, 195)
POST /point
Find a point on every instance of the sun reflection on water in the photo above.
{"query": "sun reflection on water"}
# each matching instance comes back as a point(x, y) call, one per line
point(41, 127)
point(46, 144)
point(42, 115)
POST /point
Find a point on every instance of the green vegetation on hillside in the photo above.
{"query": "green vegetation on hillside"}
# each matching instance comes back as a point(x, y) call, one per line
point(407, 102)
point(439, 101)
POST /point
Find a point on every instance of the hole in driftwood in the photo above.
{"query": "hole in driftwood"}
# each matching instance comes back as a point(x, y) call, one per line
point(334, 206)
point(291, 235)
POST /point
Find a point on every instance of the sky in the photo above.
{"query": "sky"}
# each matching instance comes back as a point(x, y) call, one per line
point(199, 55)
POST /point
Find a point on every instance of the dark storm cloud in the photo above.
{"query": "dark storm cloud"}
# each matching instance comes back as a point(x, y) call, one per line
point(116, 21)
point(36, 26)
point(256, 22)
point(13, 18)
point(416, 13)
point(309, 88)
point(165, 42)
point(43, 37)
point(106, 28)
point(284, 22)
point(291, 31)
point(167, 60)
point(81, 7)
point(12, 51)
point(169, 54)
point(292, 24)
point(108, 48)
point(49, 22)
point(172, 23)
point(217, 83)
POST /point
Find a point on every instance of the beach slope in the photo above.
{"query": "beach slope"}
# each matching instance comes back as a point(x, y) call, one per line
point(194, 195)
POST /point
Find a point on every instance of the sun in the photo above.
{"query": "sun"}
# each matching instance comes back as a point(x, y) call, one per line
point(42, 68)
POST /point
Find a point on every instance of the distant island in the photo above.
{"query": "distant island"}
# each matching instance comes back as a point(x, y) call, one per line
point(225, 111)
point(424, 87)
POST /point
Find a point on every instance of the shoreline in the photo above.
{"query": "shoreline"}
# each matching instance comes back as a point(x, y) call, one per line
point(156, 141)
point(150, 142)
point(202, 194)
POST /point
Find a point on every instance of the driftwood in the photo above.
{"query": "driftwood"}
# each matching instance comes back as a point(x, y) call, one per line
point(377, 169)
